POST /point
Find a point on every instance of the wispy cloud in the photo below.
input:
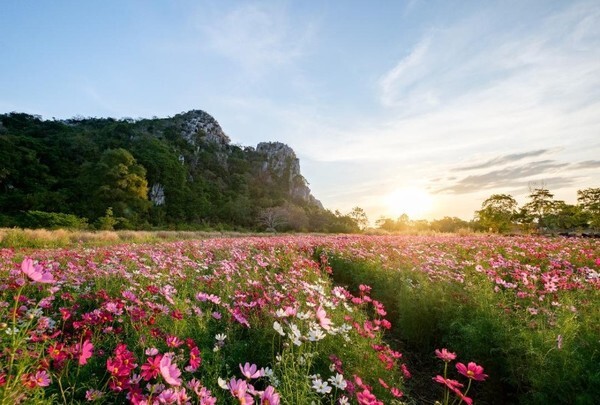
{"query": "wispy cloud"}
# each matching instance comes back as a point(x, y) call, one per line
point(505, 178)
point(501, 160)
point(258, 37)
point(396, 84)
point(588, 164)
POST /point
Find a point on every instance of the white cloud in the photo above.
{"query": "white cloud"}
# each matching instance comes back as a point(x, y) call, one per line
point(258, 37)
point(404, 74)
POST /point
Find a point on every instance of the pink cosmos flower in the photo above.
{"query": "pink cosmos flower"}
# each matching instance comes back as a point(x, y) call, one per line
point(85, 351)
point(169, 371)
point(250, 371)
point(472, 371)
point(322, 318)
point(239, 389)
point(36, 272)
point(396, 392)
point(92, 395)
point(40, 379)
point(445, 355)
point(173, 341)
point(463, 397)
point(366, 397)
point(451, 384)
point(195, 359)
point(269, 397)
point(151, 368)
point(168, 396)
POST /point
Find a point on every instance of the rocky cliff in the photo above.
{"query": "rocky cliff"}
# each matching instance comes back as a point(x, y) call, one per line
point(281, 160)
point(186, 168)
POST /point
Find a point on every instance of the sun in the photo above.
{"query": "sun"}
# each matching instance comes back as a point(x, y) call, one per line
point(413, 202)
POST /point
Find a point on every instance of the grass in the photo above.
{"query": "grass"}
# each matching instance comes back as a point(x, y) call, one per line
point(63, 238)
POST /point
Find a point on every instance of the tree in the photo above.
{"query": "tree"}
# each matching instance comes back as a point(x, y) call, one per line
point(403, 223)
point(565, 217)
point(589, 202)
point(497, 212)
point(116, 181)
point(359, 215)
point(540, 206)
point(272, 218)
point(449, 224)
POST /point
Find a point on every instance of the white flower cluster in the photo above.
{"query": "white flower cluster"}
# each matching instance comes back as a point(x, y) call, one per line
point(323, 387)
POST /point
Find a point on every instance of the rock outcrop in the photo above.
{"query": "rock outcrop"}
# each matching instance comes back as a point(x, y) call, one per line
point(196, 123)
point(282, 162)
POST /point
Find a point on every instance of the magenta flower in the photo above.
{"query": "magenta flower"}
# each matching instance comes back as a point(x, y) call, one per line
point(36, 272)
point(463, 397)
point(151, 368)
point(269, 397)
point(445, 355)
point(250, 371)
point(195, 359)
point(472, 371)
point(169, 371)
point(451, 384)
point(396, 392)
point(85, 351)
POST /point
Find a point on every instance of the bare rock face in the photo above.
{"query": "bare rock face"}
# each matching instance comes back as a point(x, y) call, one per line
point(196, 123)
point(281, 161)
point(157, 194)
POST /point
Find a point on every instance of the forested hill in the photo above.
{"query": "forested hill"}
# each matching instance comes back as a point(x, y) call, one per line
point(180, 172)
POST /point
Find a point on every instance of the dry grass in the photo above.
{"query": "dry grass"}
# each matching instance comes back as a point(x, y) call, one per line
point(43, 238)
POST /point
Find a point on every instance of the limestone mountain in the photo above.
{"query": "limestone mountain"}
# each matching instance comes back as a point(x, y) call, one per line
point(181, 171)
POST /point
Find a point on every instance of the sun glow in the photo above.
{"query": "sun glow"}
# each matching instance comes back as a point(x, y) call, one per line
point(413, 202)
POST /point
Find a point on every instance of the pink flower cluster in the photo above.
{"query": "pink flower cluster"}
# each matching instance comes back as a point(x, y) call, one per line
point(472, 371)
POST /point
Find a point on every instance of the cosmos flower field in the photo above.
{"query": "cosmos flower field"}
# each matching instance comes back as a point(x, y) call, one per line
point(303, 319)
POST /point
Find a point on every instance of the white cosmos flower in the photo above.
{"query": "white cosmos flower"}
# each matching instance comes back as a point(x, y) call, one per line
point(314, 335)
point(338, 381)
point(222, 383)
point(278, 328)
point(296, 340)
point(322, 387)
point(295, 330)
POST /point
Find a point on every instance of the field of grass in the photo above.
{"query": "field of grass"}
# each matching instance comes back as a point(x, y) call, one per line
point(301, 319)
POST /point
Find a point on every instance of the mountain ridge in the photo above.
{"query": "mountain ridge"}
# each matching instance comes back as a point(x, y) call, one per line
point(186, 169)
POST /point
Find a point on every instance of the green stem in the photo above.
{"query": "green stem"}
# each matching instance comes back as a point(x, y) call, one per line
point(447, 392)
point(13, 343)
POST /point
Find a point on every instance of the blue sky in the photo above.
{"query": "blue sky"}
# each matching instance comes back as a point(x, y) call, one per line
point(421, 106)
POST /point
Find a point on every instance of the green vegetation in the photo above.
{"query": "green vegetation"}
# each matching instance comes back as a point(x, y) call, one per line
point(102, 173)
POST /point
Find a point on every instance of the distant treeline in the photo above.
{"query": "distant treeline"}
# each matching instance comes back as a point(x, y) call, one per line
point(500, 213)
